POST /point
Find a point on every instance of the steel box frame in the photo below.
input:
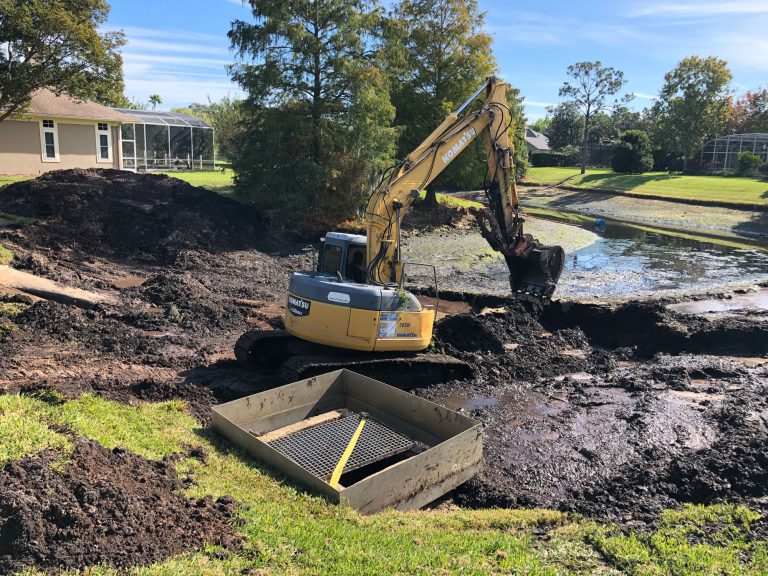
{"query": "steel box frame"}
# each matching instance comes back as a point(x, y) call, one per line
point(455, 441)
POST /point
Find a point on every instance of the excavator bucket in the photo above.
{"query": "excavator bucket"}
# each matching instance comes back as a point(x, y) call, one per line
point(534, 269)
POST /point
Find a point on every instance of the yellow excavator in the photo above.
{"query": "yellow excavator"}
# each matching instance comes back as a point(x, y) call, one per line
point(354, 299)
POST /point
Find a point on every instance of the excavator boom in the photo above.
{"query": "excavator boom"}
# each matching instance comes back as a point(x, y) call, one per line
point(534, 268)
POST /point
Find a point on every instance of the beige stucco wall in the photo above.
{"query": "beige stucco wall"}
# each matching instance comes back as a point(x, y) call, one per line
point(20, 147)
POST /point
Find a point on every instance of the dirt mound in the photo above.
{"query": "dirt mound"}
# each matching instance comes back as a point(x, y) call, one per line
point(513, 341)
point(141, 216)
point(106, 507)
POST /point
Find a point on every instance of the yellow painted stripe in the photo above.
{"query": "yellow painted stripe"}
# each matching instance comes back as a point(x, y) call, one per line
point(347, 453)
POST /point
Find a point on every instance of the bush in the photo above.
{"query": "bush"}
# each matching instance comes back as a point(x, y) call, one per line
point(572, 155)
point(764, 169)
point(633, 153)
point(748, 164)
point(547, 159)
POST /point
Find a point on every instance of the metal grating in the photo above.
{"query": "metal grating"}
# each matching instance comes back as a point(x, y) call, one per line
point(318, 449)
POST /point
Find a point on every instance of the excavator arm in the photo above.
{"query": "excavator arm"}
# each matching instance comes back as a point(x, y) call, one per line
point(534, 269)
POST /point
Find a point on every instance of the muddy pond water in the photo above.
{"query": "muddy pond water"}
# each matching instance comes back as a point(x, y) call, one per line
point(618, 261)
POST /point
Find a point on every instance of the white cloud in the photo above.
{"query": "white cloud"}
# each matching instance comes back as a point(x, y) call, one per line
point(700, 8)
point(177, 92)
point(537, 104)
point(179, 65)
point(183, 61)
point(644, 96)
point(165, 47)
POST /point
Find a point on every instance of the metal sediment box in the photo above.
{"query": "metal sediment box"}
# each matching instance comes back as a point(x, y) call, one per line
point(357, 441)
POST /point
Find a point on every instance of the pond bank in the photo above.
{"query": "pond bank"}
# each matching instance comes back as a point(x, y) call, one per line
point(711, 220)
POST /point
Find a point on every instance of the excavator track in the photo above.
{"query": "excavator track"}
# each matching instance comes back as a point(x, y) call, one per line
point(290, 359)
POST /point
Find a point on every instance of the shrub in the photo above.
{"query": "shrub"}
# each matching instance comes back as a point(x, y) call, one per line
point(764, 169)
point(546, 159)
point(572, 155)
point(633, 153)
point(748, 164)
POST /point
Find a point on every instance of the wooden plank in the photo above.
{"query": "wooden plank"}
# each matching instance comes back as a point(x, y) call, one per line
point(296, 427)
point(265, 424)
point(50, 290)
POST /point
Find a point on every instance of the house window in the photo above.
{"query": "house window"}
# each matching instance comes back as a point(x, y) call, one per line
point(49, 141)
point(103, 143)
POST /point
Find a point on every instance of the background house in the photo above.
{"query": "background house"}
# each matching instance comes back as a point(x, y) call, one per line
point(536, 141)
point(58, 132)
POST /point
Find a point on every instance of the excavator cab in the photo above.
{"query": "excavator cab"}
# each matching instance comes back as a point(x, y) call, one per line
point(343, 254)
point(333, 305)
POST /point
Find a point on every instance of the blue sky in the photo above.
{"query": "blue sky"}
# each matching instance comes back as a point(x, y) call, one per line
point(179, 49)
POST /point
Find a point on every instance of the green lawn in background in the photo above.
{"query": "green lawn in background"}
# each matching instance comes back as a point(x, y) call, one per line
point(288, 530)
point(748, 191)
point(11, 179)
point(216, 180)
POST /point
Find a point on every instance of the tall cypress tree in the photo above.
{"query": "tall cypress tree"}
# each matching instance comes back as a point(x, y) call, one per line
point(317, 113)
point(438, 55)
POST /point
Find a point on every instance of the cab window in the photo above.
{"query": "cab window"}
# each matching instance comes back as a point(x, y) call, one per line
point(331, 259)
point(355, 267)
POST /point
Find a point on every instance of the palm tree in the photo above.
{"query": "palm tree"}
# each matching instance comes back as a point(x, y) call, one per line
point(155, 99)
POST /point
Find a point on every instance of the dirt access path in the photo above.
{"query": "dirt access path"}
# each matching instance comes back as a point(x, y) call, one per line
point(613, 410)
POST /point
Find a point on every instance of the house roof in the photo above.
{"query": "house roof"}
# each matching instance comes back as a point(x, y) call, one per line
point(46, 103)
point(163, 118)
point(536, 140)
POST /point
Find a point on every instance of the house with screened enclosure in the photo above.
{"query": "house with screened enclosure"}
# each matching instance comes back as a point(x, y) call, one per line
point(56, 132)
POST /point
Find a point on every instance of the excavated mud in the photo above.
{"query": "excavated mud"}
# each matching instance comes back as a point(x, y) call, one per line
point(105, 507)
point(116, 213)
point(612, 410)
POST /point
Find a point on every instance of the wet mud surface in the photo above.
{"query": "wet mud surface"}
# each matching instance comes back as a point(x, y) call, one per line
point(612, 410)
point(106, 507)
point(616, 427)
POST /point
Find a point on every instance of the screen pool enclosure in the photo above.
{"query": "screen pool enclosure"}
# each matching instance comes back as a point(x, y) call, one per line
point(723, 153)
point(166, 141)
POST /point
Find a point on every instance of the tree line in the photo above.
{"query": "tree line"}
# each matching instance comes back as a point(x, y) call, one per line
point(338, 90)
point(695, 105)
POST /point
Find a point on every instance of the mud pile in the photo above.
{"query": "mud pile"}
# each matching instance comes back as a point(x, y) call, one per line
point(105, 507)
point(121, 214)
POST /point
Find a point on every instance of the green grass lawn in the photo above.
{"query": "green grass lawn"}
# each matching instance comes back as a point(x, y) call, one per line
point(6, 256)
point(287, 530)
point(218, 180)
point(11, 179)
point(748, 191)
point(453, 201)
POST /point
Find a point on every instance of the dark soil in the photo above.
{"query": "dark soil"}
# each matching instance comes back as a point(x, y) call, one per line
point(121, 214)
point(616, 418)
point(615, 411)
point(105, 507)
